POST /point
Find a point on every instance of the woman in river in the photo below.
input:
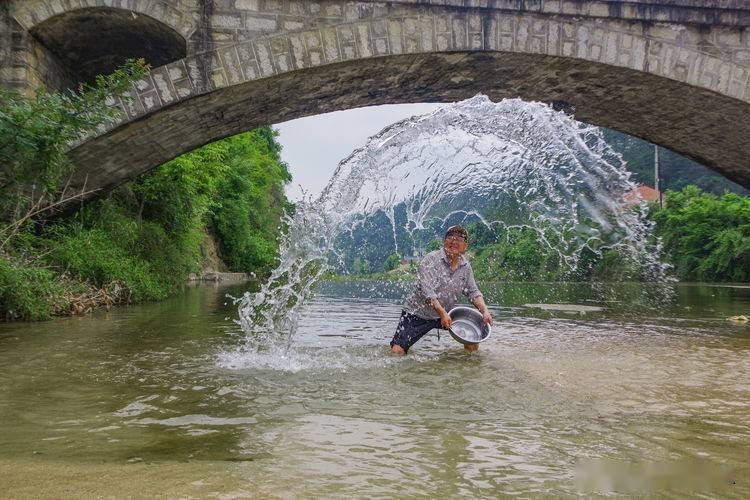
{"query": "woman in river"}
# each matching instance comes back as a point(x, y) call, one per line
point(443, 275)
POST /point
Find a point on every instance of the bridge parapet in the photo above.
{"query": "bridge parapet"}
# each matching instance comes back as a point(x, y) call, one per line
point(716, 25)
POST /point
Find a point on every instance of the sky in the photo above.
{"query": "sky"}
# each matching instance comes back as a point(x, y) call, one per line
point(314, 146)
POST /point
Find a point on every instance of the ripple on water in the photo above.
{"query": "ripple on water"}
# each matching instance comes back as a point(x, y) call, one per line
point(298, 359)
point(188, 420)
point(339, 416)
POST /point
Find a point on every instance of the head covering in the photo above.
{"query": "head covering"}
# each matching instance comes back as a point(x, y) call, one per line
point(458, 231)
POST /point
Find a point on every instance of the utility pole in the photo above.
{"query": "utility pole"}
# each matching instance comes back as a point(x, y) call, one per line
point(656, 175)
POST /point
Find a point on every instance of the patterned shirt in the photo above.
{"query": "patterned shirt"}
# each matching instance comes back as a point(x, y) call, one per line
point(437, 281)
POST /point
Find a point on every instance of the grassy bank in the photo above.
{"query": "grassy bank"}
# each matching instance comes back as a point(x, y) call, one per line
point(398, 275)
point(221, 203)
point(141, 241)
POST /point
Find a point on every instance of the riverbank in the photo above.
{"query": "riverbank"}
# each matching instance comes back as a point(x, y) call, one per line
point(212, 214)
point(215, 209)
point(397, 275)
point(42, 293)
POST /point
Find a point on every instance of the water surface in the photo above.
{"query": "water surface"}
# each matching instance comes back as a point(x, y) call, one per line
point(161, 400)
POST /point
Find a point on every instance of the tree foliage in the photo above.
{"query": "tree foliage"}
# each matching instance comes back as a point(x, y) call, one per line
point(250, 202)
point(361, 266)
point(517, 256)
point(234, 186)
point(392, 262)
point(148, 234)
point(706, 237)
point(433, 245)
point(35, 135)
point(141, 240)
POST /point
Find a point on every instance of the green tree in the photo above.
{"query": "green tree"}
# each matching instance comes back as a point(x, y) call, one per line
point(147, 236)
point(434, 245)
point(612, 265)
point(706, 237)
point(361, 266)
point(250, 202)
point(519, 255)
point(480, 235)
point(182, 192)
point(392, 262)
point(141, 241)
point(35, 136)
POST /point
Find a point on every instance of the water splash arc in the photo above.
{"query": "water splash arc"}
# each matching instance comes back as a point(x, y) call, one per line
point(509, 164)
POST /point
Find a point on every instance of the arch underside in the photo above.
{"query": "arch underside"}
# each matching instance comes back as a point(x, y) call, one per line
point(707, 127)
point(96, 41)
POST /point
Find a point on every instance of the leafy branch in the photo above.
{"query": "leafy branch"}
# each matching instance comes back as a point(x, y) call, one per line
point(35, 136)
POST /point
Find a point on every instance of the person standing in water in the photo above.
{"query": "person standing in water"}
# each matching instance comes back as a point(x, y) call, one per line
point(443, 275)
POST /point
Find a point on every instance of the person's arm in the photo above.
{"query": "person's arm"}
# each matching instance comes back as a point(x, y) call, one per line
point(445, 320)
point(479, 304)
point(476, 297)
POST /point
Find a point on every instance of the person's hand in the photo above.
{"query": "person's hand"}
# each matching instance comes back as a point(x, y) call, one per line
point(487, 317)
point(446, 321)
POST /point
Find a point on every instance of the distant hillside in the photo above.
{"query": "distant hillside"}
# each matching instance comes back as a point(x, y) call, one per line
point(676, 171)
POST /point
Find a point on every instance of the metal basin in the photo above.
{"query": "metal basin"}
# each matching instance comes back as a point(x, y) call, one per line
point(468, 326)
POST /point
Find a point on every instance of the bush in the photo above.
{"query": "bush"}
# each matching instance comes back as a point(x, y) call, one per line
point(27, 293)
point(146, 236)
point(250, 202)
point(93, 255)
point(392, 262)
point(613, 266)
point(36, 135)
point(706, 237)
point(433, 245)
point(519, 256)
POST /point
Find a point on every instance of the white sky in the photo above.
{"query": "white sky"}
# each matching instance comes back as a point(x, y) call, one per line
point(314, 146)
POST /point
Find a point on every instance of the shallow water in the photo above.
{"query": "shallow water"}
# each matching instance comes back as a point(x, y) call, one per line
point(160, 399)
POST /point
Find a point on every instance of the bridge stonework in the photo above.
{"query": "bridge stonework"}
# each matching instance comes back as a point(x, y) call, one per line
point(674, 72)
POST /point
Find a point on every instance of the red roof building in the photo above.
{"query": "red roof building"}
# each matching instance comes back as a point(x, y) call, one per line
point(642, 192)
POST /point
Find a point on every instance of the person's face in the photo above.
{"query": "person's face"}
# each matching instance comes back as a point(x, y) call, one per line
point(455, 244)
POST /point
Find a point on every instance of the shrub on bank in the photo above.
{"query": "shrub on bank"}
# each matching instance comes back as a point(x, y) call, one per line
point(95, 256)
point(27, 293)
point(35, 136)
point(706, 237)
point(142, 241)
point(250, 202)
point(517, 256)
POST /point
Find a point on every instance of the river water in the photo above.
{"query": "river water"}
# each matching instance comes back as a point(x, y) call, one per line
point(160, 399)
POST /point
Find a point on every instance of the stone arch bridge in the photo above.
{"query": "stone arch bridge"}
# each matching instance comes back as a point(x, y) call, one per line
point(673, 72)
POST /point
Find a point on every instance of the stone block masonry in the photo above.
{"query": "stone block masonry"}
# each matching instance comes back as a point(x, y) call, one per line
point(674, 72)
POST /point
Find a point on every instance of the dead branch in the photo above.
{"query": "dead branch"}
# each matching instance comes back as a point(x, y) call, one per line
point(36, 209)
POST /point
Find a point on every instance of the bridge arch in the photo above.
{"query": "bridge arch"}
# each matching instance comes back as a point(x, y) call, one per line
point(681, 86)
point(31, 14)
point(96, 41)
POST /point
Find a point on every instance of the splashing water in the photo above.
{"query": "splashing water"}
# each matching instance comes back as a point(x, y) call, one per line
point(539, 168)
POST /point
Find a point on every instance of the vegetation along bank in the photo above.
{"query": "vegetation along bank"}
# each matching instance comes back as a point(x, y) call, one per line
point(142, 240)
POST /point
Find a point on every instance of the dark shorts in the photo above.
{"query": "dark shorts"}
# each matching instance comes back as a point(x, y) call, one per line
point(412, 328)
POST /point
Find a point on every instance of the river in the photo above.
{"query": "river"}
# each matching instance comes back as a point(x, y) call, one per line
point(158, 399)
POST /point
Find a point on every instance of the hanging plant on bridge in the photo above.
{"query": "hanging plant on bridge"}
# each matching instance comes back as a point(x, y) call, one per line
point(35, 135)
